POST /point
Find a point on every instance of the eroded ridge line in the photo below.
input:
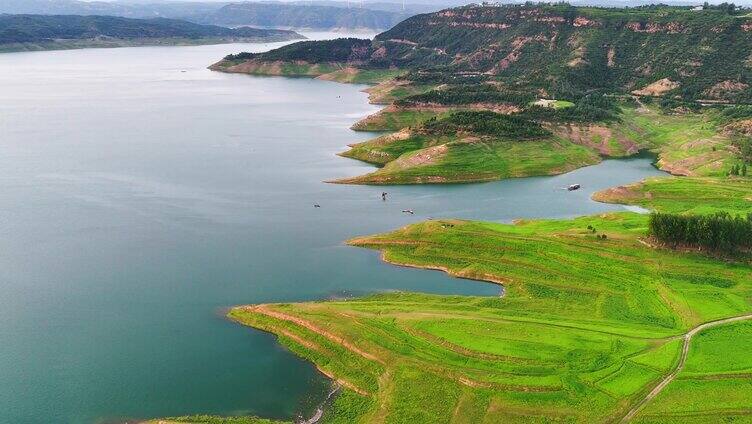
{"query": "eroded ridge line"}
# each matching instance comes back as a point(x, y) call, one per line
point(680, 365)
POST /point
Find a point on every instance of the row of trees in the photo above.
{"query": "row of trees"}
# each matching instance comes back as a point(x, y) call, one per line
point(719, 232)
point(486, 123)
point(465, 94)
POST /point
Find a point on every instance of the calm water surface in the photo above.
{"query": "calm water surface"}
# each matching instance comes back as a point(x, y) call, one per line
point(137, 201)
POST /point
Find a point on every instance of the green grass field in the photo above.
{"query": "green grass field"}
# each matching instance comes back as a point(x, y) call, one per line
point(680, 194)
point(686, 144)
point(395, 119)
point(586, 328)
point(715, 385)
point(562, 104)
point(424, 159)
point(689, 144)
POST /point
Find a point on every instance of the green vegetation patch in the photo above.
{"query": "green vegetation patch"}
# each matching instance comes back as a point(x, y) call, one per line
point(734, 340)
point(715, 384)
point(662, 358)
point(719, 232)
point(468, 146)
point(395, 119)
point(485, 123)
point(585, 320)
point(469, 94)
point(629, 379)
point(685, 195)
point(687, 144)
point(702, 399)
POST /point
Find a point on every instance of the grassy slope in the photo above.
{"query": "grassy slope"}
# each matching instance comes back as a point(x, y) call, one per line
point(394, 119)
point(687, 144)
point(417, 160)
point(678, 194)
point(584, 330)
point(711, 381)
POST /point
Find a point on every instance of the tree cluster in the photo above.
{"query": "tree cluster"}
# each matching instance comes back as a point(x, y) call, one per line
point(717, 232)
point(340, 50)
point(486, 123)
point(591, 108)
point(469, 94)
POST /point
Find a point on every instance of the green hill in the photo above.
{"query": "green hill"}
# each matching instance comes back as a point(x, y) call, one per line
point(565, 51)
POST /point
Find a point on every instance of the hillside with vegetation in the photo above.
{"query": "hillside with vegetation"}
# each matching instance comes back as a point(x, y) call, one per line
point(565, 51)
point(41, 32)
point(602, 82)
point(468, 146)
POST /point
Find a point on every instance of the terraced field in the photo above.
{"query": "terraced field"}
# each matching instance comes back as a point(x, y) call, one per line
point(587, 326)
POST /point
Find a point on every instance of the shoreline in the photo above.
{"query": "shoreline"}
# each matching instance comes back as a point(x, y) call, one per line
point(483, 279)
point(384, 258)
point(91, 43)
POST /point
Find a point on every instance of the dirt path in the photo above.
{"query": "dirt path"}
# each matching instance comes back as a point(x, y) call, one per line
point(680, 366)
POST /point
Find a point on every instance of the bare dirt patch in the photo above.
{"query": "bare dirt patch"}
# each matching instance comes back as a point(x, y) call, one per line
point(423, 157)
point(597, 137)
point(743, 127)
point(657, 88)
point(342, 75)
point(619, 194)
point(611, 56)
point(725, 88)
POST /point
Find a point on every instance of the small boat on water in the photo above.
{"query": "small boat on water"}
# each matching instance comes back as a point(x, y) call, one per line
point(573, 187)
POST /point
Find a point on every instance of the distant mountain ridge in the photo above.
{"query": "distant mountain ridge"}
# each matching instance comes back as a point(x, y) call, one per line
point(315, 15)
point(53, 31)
point(300, 16)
